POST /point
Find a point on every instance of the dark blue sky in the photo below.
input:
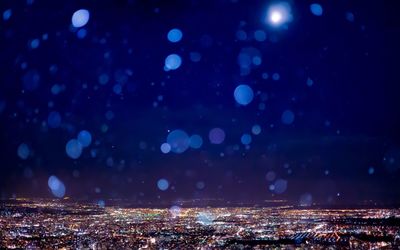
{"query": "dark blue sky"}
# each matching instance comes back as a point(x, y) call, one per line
point(331, 70)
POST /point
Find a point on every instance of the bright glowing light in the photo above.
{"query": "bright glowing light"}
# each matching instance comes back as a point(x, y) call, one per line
point(243, 94)
point(80, 18)
point(276, 16)
point(279, 14)
point(162, 184)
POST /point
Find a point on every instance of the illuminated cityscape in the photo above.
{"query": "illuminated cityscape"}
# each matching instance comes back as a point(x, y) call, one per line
point(31, 224)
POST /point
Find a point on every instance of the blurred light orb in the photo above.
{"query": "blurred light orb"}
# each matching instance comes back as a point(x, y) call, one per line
point(371, 170)
point(260, 36)
point(305, 200)
point(101, 203)
point(287, 117)
point(279, 14)
point(173, 62)
point(243, 94)
point(7, 14)
point(54, 119)
point(31, 80)
point(246, 139)
point(165, 148)
point(175, 211)
point(117, 89)
point(241, 35)
point(162, 184)
point(56, 186)
point(73, 148)
point(200, 185)
point(205, 218)
point(391, 160)
point(316, 9)
point(276, 77)
point(195, 56)
point(80, 18)
point(270, 176)
point(35, 43)
point(103, 79)
point(174, 35)
point(84, 138)
point(350, 16)
point(276, 16)
point(81, 33)
point(195, 141)
point(216, 136)
point(310, 82)
point(280, 186)
point(56, 89)
point(178, 140)
point(256, 129)
point(109, 115)
point(23, 151)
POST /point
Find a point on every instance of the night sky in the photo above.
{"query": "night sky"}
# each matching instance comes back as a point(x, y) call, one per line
point(164, 101)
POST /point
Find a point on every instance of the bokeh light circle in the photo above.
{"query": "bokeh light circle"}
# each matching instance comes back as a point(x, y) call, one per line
point(178, 140)
point(85, 138)
point(216, 136)
point(173, 62)
point(243, 94)
point(195, 141)
point(165, 148)
point(56, 186)
point(174, 35)
point(80, 18)
point(73, 148)
point(162, 184)
point(287, 117)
